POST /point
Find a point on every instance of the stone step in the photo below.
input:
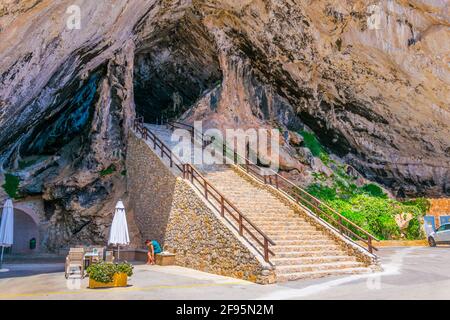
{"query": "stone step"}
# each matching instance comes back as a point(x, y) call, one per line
point(288, 233)
point(307, 236)
point(293, 228)
point(320, 274)
point(306, 248)
point(311, 260)
point(327, 242)
point(284, 226)
point(317, 267)
point(281, 221)
point(303, 254)
point(256, 208)
point(263, 216)
point(272, 217)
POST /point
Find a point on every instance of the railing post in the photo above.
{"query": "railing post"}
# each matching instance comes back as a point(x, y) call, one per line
point(191, 173)
point(247, 164)
point(276, 182)
point(340, 225)
point(206, 190)
point(265, 179)
point(241, 225)
point(222, 206)
point(266, 250)
point(369, 242)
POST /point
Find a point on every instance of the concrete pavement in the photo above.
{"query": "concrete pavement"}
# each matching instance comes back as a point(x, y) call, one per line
point(409, 273)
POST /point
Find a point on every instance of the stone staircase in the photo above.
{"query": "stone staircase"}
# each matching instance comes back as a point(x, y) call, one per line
point(303, 249)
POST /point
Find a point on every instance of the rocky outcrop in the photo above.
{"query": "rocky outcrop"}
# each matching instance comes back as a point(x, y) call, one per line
point(370, 81)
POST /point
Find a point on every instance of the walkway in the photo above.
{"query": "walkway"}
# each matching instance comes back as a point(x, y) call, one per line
point(410, 273)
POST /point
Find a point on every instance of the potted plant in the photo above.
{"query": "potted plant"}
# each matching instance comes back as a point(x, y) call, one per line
point(108, 275)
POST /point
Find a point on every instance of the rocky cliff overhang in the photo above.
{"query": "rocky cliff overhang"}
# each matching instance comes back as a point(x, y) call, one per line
point(376, 95)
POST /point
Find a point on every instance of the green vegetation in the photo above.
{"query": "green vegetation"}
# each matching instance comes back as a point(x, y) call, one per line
point(104, 272)
point(110, 170)
point(374, 190)
point(125, 268)
point(371, 209)
point(312, 143)
point(11, 185)
point(368, 206)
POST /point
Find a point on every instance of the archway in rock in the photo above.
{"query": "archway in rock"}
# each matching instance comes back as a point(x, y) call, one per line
point(25, 228)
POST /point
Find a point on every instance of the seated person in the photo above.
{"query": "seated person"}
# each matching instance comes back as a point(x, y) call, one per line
point(153, 248)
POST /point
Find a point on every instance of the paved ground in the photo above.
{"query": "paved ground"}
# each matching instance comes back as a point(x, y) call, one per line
point(409, 273)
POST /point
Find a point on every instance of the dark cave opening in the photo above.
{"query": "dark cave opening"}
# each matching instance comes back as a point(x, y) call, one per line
point(74, 117)
point(173, 69)
point(63, 131)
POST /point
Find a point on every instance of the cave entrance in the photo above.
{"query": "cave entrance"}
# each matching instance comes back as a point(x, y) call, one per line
point(173, 68)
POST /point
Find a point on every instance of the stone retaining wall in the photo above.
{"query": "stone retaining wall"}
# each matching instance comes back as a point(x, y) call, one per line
point(168, 209)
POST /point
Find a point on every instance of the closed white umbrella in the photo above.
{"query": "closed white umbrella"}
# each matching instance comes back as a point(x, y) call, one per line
point(119, 228)
point(6, 229)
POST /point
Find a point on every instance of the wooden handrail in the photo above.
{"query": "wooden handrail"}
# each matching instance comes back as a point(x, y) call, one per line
point(276, 180)
point(223, 205)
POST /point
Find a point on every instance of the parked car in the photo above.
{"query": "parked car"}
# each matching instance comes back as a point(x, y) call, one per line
point(440, 236)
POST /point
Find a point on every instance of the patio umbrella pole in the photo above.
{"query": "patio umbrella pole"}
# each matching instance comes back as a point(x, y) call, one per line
point(118, 253)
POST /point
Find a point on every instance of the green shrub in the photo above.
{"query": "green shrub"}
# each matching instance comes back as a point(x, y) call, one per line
point(422, 204)
point(414, 230)
point(103, 272)
point(375, 215)
point(325, 157)
point(11, 185)
point(320, 176)
point(312, 143)
point(373, 190)
point(125, 267)
point(110, 170)
point(371, 209)
point(322, 192)
point(368, 206)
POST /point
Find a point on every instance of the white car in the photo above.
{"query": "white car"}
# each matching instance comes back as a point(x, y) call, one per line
point(440, 236)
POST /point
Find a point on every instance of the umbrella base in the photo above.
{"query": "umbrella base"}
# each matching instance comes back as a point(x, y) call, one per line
point(4, 270)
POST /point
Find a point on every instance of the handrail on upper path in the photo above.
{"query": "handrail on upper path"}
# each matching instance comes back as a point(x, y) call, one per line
point(321, 210)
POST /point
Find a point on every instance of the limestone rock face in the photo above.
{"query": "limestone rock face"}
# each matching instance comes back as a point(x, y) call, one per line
point(370, 79)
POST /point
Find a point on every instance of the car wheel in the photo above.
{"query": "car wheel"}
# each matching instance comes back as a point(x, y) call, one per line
point(431, 242)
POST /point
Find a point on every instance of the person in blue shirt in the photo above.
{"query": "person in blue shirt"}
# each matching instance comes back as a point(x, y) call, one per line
point(153, 248)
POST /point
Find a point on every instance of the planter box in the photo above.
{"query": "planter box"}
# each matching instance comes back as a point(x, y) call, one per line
point(119, 280)
point(165, 260)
